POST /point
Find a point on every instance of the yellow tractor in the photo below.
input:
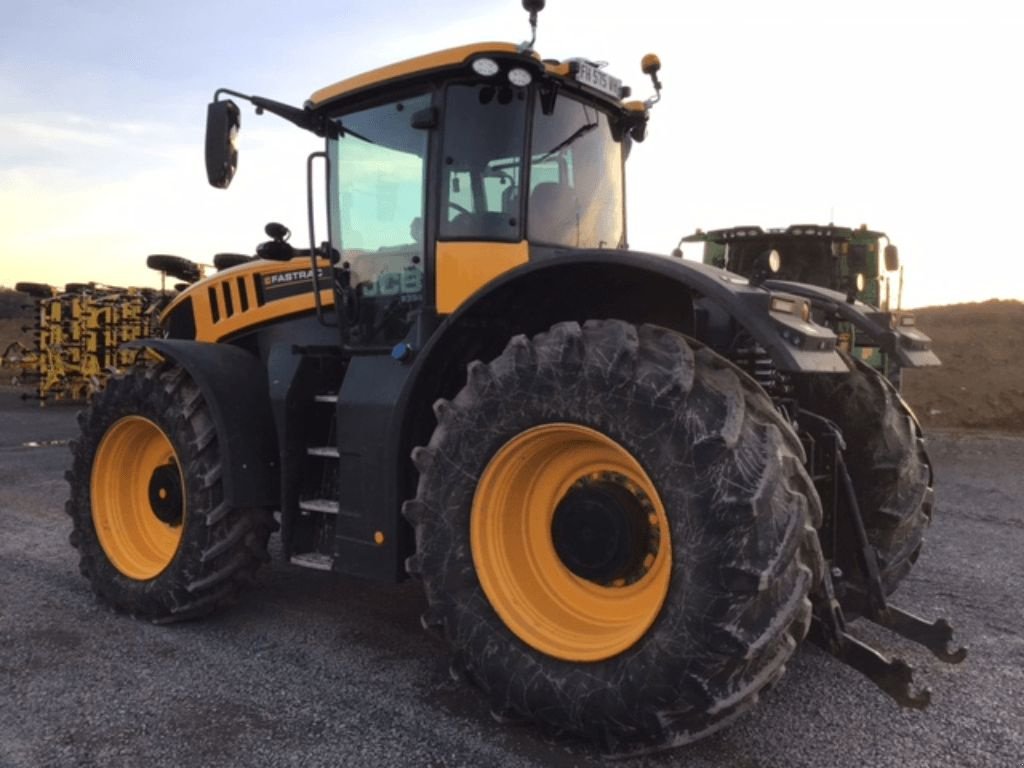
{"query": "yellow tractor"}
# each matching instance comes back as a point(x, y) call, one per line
point(594, 459)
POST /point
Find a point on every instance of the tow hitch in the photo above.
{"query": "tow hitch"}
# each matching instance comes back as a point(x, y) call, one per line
point(829, 630)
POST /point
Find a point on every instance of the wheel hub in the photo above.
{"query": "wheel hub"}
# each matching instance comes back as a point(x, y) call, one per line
point(570, 542)
point(602, 530)
point(165, 494)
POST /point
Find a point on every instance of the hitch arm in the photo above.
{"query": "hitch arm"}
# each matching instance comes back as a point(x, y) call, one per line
point(935, 636)
point(894, 676)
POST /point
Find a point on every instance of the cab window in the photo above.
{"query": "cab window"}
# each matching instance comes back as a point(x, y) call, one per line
point(482, 162)
point(379, 166)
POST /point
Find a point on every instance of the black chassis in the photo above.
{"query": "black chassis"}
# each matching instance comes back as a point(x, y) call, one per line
point(908, 346)
point(384, 402)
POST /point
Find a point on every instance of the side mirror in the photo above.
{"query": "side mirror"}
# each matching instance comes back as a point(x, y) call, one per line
point(892, 258)
point(223, 119)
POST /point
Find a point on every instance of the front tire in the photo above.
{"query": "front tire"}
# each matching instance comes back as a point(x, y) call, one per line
point(155, 537)
point(615, 534)
point(888, 464)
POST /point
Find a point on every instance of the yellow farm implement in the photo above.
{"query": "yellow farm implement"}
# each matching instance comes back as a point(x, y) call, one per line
point(78, 335)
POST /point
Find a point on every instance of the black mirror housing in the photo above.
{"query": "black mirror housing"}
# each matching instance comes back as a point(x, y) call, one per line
point(223, 119)
point(892, 258)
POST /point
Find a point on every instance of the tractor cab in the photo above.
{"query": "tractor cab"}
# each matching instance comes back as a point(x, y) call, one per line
point(447, 170)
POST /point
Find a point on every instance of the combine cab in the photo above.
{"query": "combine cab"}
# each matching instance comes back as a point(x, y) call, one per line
point(614, 473)
point(851, 262)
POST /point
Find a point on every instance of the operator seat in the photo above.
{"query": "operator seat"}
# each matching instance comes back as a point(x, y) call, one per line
point(553, 216)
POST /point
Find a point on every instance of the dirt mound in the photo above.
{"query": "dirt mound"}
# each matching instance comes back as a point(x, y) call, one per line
point(980, 384)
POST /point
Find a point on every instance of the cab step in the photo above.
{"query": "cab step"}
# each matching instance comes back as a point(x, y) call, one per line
point(323, 506)
point(314, 560)
point(324, 451)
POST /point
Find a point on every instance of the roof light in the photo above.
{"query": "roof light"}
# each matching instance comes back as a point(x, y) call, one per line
point(485, 67)
point(520, 77)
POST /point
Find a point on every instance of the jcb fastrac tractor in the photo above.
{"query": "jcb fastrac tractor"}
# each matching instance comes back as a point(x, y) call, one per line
point(631, 485)
point(852, 263)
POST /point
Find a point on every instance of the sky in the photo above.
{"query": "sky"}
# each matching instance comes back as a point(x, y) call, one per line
point(906, 116)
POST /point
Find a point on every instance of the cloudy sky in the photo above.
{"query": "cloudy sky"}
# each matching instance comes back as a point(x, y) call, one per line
point(903, 115)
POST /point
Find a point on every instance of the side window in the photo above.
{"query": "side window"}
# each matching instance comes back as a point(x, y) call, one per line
point(379, 162)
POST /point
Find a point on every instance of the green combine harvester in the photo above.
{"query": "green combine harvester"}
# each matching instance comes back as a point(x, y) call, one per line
point(851, 262)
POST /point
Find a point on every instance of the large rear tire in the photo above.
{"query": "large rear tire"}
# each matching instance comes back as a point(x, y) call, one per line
point(887, 461)
point(615, 532)
point(156, 538)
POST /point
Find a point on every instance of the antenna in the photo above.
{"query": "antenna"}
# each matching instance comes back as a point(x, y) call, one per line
point(533, 7)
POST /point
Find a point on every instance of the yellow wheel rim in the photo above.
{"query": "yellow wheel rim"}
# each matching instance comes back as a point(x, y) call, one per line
point(548, 493)
point(137, 495)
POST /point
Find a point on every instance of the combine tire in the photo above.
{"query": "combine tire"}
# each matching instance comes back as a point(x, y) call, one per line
point(615, 535)
point(35, 290)
point(886, 458)
point(155, 537)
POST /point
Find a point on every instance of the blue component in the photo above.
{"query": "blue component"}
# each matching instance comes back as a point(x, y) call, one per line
point(401, 351)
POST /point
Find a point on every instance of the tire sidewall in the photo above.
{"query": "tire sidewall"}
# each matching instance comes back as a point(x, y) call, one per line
point(139, 393)
point(681, 449)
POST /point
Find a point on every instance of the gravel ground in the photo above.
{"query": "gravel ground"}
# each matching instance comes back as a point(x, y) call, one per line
point(311, 669)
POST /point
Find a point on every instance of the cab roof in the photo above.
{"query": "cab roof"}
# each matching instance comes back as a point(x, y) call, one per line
point(438, 61)
point(824, 231)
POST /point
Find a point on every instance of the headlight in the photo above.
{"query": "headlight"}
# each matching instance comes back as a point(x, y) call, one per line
point(519, 77)
point(485, 67)
point(774, 261)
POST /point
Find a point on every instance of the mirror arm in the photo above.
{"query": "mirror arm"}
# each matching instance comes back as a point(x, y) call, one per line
point(304, 118)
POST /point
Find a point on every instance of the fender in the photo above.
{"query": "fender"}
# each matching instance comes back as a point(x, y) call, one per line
point(910, 347)
point(646, 287)
point(234, 387)
point(560, 285)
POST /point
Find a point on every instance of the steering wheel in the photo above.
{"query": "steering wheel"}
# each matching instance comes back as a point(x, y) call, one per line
point(459, 208)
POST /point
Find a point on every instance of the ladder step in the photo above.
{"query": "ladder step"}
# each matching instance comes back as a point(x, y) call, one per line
point(313, 560)
point(326, 398)
point(328, 451)
point(326, 506)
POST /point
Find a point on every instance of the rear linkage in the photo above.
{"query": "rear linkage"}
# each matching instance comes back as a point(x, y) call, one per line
point(828, 627)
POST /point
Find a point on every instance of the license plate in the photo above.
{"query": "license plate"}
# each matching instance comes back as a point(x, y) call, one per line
point(599, 80)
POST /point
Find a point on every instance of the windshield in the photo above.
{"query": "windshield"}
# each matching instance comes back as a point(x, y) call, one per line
point(803, 260)
point(575, 170)
point(576, 195)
